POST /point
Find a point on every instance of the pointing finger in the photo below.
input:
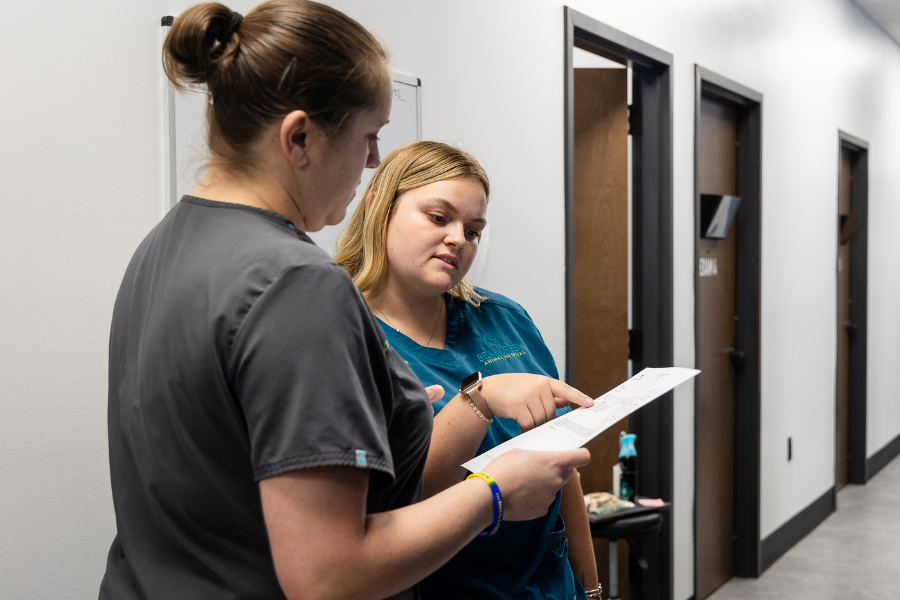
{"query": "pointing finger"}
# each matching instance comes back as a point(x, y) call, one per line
point(569, 394)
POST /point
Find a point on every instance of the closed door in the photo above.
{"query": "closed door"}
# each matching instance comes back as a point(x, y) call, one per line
point(716, 326)
point(845, 226)
point(601, 267)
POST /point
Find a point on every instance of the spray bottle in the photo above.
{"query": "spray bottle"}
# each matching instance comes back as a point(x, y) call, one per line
point(628, 462)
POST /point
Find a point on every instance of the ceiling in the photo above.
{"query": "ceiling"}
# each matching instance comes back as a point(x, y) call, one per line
point(885, 12)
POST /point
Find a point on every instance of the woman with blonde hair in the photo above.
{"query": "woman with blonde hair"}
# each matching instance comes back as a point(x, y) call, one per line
point(408, 247)
point(264, 439)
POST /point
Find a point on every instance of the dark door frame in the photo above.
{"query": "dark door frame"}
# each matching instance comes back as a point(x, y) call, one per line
point(857, 471)
point(651, 240)
point(747, 544)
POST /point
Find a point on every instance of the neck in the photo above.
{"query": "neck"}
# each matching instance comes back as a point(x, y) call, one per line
point(424, 320)
point(265, 192)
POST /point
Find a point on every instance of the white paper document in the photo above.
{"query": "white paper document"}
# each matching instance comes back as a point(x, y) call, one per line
point(574, 429)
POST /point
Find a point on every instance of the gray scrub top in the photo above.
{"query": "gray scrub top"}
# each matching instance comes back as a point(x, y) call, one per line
point(238, 351)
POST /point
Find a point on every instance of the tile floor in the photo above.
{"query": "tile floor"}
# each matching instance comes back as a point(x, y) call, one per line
point(854, 554)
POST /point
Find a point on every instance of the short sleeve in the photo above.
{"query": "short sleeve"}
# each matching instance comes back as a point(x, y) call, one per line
point(309, 369)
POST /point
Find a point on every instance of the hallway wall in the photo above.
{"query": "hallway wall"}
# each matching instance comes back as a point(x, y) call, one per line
point(82, 125)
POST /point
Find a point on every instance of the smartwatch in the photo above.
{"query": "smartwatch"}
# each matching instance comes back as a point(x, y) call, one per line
point(471, 386)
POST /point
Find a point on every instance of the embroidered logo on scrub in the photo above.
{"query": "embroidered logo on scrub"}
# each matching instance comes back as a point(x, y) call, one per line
point(498, 349)
point(361, 458)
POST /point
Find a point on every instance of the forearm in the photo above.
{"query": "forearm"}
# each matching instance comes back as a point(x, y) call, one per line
point(578, 533)
point(326, 547)
point(387, 552)
point(403, 546)
point(457, 434)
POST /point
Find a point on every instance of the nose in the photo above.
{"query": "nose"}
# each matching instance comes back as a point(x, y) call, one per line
point(455, 235)
point(374, 158)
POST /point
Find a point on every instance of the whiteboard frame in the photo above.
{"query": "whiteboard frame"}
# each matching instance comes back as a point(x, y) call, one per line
point(417, 83)
point(170, 168)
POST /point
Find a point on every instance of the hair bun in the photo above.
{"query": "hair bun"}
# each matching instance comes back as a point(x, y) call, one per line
point(196, 42)
point(285, 55)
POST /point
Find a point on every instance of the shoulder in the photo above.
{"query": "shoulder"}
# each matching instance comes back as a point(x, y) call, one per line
point(306, 297)
point(295, 271)
point(306, 309)
point(497, 304)
point(323, 280)
point(237, 241)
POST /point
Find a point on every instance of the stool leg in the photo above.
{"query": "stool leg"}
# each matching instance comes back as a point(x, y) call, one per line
point(613, 569)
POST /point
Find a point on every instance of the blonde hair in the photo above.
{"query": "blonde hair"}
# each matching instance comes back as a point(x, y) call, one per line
point(362, 246)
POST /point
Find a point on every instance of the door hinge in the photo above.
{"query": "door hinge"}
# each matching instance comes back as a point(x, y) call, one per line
point(633, 113)
point(635, 344)
point(738, 357)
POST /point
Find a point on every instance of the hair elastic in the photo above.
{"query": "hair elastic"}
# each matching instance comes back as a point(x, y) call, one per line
point(498, 503)
point(233, 25)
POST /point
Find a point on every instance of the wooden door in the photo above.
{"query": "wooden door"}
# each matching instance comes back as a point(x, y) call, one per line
point(716, 327)
point(601, 268)
point(842, 400)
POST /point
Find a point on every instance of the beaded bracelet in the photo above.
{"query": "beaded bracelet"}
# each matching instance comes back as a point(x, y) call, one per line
point(477, 412)
point(498, 503)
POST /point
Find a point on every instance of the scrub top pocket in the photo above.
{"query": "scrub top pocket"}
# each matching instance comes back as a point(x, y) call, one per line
point(555, 577)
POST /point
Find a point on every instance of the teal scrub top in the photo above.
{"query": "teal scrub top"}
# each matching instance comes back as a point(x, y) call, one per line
point(524, 559)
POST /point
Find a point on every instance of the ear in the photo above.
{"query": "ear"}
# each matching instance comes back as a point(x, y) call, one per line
point(295, 137)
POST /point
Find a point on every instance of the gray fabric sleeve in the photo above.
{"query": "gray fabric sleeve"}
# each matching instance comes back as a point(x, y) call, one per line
point(309, 370)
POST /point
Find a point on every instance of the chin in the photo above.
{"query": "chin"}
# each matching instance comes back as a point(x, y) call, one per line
point(336, 218)
point(445, 287)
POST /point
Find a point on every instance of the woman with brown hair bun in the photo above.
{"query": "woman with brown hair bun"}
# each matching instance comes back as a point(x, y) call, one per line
point(264, 439)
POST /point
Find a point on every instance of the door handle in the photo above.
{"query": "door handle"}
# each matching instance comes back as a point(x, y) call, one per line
point(738, 357)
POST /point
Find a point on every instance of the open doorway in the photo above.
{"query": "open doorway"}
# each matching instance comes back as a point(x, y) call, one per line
point(619, 259)
point(601, 261)
point(851, 317)
point(727, 337)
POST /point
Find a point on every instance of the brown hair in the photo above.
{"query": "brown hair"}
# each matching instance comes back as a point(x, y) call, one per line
point(285, 55)
point(362, 246)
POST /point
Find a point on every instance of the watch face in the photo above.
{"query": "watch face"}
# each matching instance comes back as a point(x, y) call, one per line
point(470, 381)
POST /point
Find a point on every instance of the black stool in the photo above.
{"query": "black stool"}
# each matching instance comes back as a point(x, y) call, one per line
point(623, 528)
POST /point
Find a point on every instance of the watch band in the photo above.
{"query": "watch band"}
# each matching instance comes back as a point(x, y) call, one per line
point(470, 389)
point(473, 396)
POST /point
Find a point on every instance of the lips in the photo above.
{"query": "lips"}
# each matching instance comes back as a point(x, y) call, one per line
point(448, 260)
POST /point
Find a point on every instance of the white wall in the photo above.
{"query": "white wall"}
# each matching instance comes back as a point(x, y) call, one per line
point(81, 128)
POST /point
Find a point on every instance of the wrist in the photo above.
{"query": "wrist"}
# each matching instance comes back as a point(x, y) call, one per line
point(485, 511)
point(470, 391)
point(594, 591)
point(496, 501)
point(479, 402)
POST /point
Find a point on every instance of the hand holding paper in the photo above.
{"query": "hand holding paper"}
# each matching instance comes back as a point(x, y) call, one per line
point(576, 428)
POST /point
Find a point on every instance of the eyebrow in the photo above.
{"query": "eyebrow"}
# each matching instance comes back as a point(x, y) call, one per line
point(446, 204)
